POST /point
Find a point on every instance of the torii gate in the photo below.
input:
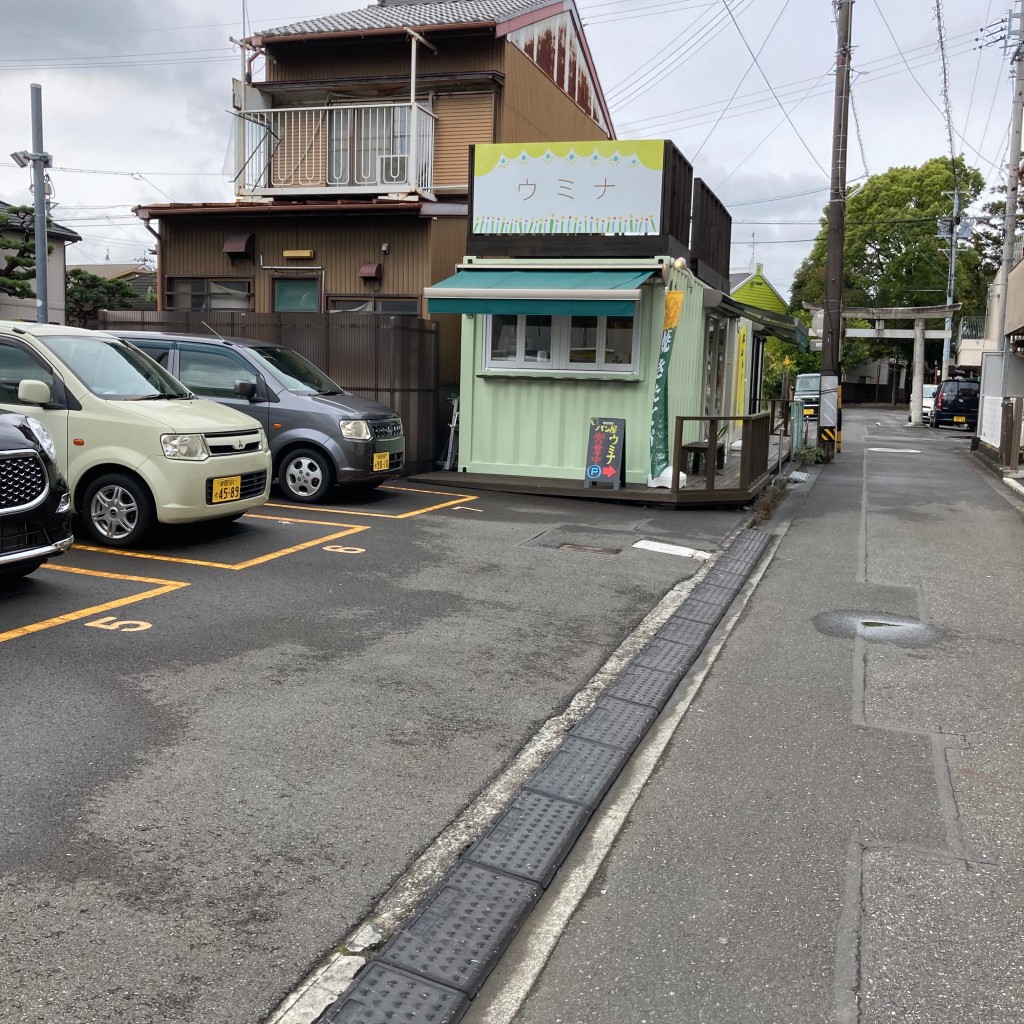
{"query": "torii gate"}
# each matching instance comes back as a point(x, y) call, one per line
point(916, 313)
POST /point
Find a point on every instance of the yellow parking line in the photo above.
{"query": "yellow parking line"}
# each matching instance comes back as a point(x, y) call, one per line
point(457, 499)
point(162, 587)
point(227, 565)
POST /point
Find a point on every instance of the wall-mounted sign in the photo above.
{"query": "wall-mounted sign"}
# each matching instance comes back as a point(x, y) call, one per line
point(568, 188)
point(606, 447)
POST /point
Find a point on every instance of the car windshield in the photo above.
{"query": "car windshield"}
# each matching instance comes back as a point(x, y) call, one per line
point(296, 372)
point(807, 385)
point(111, 368)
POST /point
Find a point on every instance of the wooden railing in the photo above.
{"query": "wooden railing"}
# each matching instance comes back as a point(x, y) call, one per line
point(754, 446)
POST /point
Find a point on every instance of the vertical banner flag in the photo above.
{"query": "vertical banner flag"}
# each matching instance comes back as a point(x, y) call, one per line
point(660, 455)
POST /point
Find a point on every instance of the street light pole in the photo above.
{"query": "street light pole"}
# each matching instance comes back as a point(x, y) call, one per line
point(40, 161)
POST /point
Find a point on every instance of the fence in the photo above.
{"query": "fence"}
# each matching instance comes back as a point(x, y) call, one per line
point(391, 359)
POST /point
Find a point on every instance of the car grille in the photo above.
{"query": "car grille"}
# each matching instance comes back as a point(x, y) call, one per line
point(22, 482)
point(253, 485)
point(385, 429)
point(234, 442)
point(16, 537)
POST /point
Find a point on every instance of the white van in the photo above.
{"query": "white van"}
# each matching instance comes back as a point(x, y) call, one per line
point(136, 446)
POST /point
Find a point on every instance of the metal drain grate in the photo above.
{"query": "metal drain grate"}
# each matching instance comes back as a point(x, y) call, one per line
point(580, 771)
point(589, 549)
point(381, 994)
point(645, 686)
point(664, 656)
point(619, 723)
point(531, 838)
point(685, 632)
point(457, 938)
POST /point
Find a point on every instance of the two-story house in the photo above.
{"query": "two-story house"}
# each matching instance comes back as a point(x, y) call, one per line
point(351, 155)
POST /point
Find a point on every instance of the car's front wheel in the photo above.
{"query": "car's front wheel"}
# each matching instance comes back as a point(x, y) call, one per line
point(117, 510)
point(305, 475)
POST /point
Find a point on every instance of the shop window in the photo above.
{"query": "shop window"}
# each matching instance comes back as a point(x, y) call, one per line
point(598, 344)
point(296, 295)
point(205, 293)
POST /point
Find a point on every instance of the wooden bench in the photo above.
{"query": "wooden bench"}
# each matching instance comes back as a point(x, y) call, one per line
point(697, 450)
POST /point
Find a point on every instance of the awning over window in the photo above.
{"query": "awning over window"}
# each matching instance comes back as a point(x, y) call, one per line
point(780, 325)
point(550, 292)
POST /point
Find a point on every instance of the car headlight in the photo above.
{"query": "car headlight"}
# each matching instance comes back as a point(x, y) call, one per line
point(42, 435)
point(190, 447)
point(355, 430)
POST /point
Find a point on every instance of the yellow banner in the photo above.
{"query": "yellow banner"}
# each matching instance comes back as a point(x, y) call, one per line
point(673, 308)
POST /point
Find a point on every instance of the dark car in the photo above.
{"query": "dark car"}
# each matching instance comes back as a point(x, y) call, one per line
point(956, 404)
point(319, 434)
point(35, 504)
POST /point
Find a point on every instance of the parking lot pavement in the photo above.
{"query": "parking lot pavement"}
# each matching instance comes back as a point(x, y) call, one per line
point(221, 751)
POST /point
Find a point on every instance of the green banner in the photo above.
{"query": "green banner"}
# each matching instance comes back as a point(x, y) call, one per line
point(661, 456)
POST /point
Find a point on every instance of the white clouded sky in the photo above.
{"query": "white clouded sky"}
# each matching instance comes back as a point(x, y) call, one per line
point(143, 90)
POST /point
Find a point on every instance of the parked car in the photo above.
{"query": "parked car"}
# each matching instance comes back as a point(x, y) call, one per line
point(136, 447)
point(956, 404)
point(35, 503)
point(927, 401)
point(320, 435)
point(808, 391)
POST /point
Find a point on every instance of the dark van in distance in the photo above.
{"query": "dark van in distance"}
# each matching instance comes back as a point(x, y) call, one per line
point(320, 435)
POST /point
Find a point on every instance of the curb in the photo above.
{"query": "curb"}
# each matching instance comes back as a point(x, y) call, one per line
point(434, 965)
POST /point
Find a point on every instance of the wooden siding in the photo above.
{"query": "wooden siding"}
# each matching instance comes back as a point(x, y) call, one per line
point(447, 248)
point(556, 49)
point(710, 237)
point(378, 56)
point(462, 120)
point(192, 247)
point(534, 109)
point(759, 293)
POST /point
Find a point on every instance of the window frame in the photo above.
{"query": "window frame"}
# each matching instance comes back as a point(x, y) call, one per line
point(560, 362)
point(374, 303)
point(208, 292)
point(278, 280)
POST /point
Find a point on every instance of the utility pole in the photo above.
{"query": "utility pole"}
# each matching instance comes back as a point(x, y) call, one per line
point(954, 227)
point(829, 410)
point(39, 161)
point(1012, 188)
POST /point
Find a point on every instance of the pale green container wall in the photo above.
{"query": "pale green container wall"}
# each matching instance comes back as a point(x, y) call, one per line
point(524, 426)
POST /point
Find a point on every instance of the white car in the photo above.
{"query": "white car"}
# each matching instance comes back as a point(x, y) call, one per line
point(928, 392)
point(928, 399)
point(136, 447)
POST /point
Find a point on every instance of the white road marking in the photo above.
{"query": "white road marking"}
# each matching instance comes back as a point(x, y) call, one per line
point(465, 508)
point(672, 549)
point(897, 451)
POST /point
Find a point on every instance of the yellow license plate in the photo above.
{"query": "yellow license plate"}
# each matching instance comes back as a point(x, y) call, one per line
point(381, 460)
point(959, 419)
point(226, 488)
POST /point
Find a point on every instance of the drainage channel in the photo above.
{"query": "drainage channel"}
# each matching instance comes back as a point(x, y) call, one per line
point(431, 968)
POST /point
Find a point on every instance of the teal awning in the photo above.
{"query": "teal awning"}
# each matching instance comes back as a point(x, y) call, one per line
point(551, 292)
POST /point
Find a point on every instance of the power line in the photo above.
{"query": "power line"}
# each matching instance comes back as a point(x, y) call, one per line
point(750, 66)
point(860, 138)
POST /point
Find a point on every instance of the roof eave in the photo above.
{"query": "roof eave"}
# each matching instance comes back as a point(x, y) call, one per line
point(362, 33)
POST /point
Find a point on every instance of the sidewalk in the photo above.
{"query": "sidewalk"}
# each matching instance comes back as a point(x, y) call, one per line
point(835, 830)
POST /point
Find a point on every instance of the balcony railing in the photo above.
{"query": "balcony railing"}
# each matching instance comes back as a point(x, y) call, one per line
point(350, 149)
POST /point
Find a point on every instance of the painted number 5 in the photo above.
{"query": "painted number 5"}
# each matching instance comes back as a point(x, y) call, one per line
point(121, 625)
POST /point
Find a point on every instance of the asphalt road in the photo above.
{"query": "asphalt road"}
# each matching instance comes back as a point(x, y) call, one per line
point(218, 754)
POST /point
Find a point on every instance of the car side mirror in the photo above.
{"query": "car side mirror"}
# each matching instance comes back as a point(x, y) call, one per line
point(245, 389)
point(34, 392)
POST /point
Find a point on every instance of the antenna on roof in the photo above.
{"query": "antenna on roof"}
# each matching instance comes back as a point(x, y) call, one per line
point(210, 329)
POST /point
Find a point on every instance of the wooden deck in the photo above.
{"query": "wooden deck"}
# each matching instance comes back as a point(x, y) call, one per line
point(726, 491)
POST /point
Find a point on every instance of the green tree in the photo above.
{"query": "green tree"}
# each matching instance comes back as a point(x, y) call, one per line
point(88, 293)
point(891, 254)
point(17, 253)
